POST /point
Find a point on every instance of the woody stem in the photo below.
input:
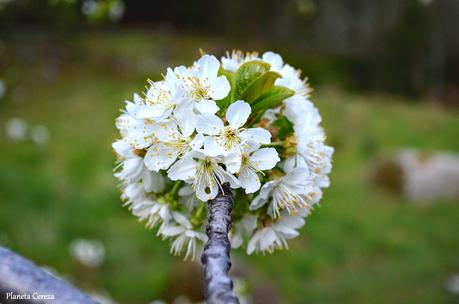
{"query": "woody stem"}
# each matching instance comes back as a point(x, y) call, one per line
point(216, 255)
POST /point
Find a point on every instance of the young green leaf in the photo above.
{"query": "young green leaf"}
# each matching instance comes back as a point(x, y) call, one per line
point(245, 75)
point(260, 85)
point(271, 98)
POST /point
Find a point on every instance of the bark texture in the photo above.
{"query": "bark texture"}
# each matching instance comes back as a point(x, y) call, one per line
point(20, 276)
point(216, 255)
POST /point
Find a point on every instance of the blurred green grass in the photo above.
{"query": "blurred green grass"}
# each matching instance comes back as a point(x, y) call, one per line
point(360, 246)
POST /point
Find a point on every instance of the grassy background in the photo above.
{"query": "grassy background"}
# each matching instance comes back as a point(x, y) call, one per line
point(360, 246)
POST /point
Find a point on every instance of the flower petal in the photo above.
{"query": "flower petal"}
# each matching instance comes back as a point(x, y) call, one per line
point(153, 181)
point(208, 67)
point(258, 202)
point(262, 198)
point(294, 222)
point(213, 146)
point(184, 169)
point(269, 238)
point(287, 232)
point(249, 180)
point(265, 159)
point(167, 131)
point(238, 113)
point(249, 223)
point(206, 192)
point(254, 241)
point(295, 161)
point(160, 156)
point(181, 219)
point(219, 88)
point(123, 149)
point(157, 112)
point(197, 142)
point(209, 124)
point(257, 135)
point(236, 240)
point(172, 230)
point(186, 118)
point(275, 60)
point(207, 106)
point(233, 161)
point(232, 180)
point(298, 176)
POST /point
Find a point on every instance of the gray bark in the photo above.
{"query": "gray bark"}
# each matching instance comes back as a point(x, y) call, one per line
point(216, 255)
point(20, 276)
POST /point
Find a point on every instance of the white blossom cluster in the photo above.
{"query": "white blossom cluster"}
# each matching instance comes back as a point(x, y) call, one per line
point(246, 121)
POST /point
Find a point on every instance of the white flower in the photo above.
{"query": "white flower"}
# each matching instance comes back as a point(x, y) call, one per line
point(185, 237)
point(143, 116)
point(133, 168)
point(188, 198)
point(152, 212)
point(275, 236)
point(452, 284)
point(234, 60)
point(39, 135)
point(301, 112)
point(275, 60)
point(131, 163)
point(90, 253)
point(201, 87)
point(254, 162)
point(133, 192)
point(171, 144)
point(289, 192)
point(271, 114)
point(136, 131)
point(159, 101)
point(316, 155)
point(16, 129)
point(202, 82)
point(204, 172)
point(177, 132)
point(290, 77)
point(244, 227)
point(233, 138)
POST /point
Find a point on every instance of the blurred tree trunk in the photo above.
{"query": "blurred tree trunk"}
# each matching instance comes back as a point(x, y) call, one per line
point(19, 276)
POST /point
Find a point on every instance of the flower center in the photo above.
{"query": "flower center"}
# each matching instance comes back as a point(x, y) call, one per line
point(161, 95)
point(199, 90)
point(231, 137)
point(208, 173)
point(181, 144)
point(246, 164)
point(285, 198)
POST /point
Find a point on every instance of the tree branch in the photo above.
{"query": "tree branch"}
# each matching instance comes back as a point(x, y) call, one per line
point(216, 255)
point(20, 276)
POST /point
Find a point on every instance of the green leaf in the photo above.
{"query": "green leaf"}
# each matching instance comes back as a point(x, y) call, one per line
point(271, 99)
point(245, 75)
point(260, 85)
point(228, 74)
